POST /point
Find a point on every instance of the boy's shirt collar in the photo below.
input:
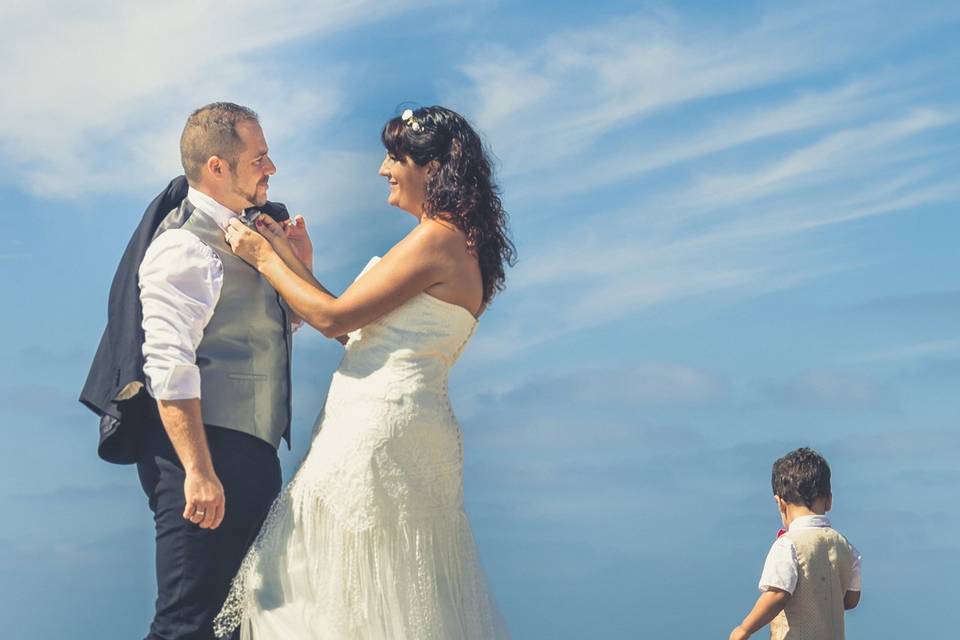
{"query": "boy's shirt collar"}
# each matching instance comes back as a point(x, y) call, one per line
point(809, 522)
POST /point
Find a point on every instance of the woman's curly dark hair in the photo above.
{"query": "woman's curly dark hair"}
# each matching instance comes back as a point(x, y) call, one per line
point(461, 190)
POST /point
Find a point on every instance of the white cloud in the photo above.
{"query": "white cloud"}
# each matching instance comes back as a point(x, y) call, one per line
point(702, 160)
point(637, 154)
point(840, 155)
point(576, 88)
point(930, 348)
point(640, 384)
point(832, 388)
point(98, 96)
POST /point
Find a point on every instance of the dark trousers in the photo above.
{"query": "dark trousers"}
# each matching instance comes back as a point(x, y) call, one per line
point(194, 565)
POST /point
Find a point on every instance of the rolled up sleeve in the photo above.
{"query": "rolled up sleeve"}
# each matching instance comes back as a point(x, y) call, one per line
point(180, 283)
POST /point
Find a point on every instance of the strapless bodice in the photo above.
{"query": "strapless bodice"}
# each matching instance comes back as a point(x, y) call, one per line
point(411, 348)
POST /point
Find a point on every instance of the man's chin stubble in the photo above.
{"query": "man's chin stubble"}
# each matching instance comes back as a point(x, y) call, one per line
point(254, 199)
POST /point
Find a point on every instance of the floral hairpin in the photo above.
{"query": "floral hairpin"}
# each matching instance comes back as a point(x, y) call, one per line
point(407, 117)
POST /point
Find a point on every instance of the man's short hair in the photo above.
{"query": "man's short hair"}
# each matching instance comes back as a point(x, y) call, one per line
point(212, 131)
point(801, 476)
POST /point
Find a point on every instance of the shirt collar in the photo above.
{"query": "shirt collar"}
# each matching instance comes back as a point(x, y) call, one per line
point(809, 522)
point(206, 204)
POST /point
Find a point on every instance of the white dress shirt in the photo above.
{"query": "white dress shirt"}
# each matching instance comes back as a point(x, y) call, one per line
point(180, 283)
point(781, 569)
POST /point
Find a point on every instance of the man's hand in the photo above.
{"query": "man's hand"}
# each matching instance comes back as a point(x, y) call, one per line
point(205, 500)
point(202, 491)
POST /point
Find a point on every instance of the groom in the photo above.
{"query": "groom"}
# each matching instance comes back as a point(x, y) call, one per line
point(213, 352)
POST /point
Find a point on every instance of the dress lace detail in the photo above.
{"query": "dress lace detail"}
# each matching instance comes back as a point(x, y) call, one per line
point(369, 539)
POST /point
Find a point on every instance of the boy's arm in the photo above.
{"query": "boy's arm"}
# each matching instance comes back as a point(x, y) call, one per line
point(851, 597)
point(769, 604)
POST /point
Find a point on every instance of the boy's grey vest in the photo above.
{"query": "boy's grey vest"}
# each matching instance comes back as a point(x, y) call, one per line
point(244, 356)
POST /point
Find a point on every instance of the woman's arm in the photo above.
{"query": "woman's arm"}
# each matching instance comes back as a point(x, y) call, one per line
point(292, 243)
point(416, 263)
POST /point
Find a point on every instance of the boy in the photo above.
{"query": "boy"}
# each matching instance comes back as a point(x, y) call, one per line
point(812, 574)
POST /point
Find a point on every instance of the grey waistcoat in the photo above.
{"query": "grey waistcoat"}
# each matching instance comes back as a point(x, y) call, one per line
point(244, 356)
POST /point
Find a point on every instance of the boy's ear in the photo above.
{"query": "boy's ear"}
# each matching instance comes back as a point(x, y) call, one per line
point(829, 503)
point(781, 505)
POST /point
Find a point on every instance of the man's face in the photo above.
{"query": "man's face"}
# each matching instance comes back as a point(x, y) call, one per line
point(248, 180)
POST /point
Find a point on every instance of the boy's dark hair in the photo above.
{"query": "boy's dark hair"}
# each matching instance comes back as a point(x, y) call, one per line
point(801, 476)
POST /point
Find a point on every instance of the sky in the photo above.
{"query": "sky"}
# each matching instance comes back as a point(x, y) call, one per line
point(736, 226)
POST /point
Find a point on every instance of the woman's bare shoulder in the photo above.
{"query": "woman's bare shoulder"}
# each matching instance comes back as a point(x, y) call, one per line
point(430, 245)
point(440, 235)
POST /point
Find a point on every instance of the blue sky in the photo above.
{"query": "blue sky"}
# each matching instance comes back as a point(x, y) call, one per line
point(737, 232)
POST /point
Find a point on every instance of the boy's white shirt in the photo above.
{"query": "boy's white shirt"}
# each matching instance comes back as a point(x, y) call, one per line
point(781, 569)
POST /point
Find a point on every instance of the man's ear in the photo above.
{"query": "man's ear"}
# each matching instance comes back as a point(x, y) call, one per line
point(216, 166)
point(781, 504)
point(829, 503)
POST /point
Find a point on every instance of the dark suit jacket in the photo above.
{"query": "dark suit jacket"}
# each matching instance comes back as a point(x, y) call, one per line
point(119, 358)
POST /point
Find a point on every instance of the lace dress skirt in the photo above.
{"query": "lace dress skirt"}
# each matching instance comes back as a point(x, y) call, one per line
point(369, 539)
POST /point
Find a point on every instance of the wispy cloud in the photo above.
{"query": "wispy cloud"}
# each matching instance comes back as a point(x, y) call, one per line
point(647, 384)
point(932, 348)
point(930, 303)
point(16, 257)
point(99, 94)
point(697, 160)
point(642, 66)
point(830, 389)
point(837, 157)
point(640, 152)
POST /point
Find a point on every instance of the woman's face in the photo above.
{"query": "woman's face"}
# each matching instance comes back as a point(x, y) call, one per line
point(408, 183)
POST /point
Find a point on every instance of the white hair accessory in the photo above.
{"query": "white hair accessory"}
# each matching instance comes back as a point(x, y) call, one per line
point(407, 117)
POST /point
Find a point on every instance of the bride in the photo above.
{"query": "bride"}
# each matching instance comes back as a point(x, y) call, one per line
point(369, 539)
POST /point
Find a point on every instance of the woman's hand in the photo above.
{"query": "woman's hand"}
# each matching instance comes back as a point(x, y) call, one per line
point(277, 234)
point(300, 241)
point(252, 247)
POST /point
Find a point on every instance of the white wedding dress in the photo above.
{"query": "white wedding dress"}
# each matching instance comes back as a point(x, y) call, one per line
point(369, 540)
